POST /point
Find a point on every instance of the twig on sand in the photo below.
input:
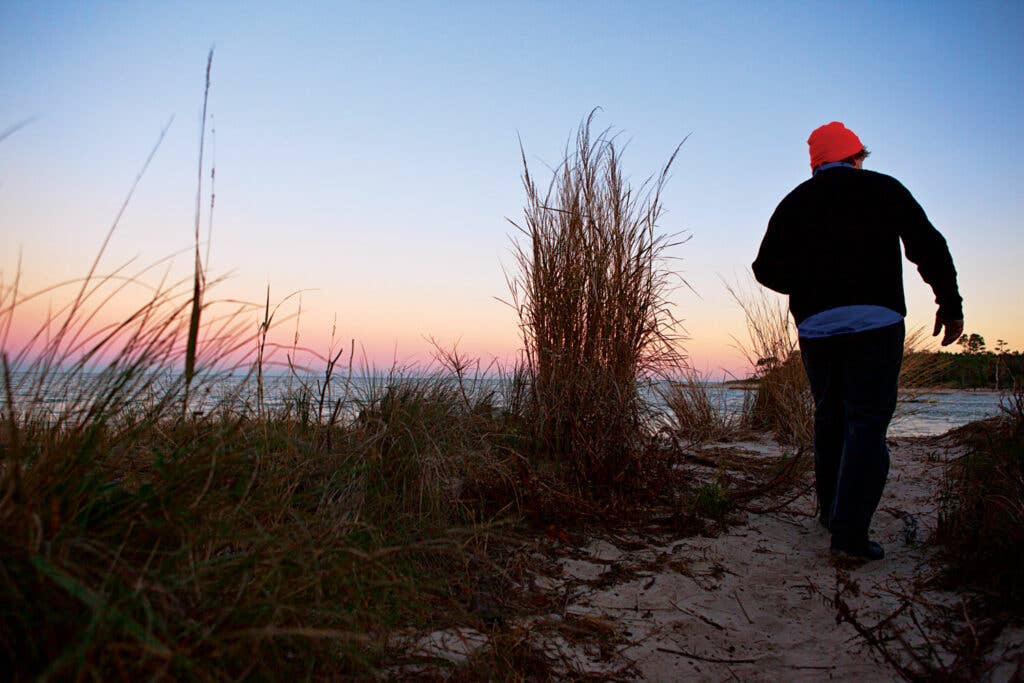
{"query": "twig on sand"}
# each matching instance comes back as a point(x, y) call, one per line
point(713, 660)
point(778, 507)
point(742, 608)
point(810, 667)
point(707, 620)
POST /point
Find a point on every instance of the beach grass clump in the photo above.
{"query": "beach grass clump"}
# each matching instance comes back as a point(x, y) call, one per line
point(922, 368)
point(693, 415)
point(981, 521)
point(782, 403)
point(442, 439)
point(592, 298)
point(153, 525)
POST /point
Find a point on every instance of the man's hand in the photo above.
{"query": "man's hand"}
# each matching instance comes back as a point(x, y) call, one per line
point(954, 328)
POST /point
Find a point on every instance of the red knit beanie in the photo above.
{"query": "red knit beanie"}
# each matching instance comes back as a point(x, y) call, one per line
point(832, 142)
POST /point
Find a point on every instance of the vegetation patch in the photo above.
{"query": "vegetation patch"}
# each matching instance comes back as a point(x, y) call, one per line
point(982, 519)
point(592, 298)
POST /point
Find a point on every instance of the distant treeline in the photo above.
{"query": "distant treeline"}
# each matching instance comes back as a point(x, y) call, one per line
point(983, 370)
point(973, 367)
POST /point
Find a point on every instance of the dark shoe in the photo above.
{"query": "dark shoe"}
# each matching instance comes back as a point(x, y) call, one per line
point(866, 550)
point(823, 521)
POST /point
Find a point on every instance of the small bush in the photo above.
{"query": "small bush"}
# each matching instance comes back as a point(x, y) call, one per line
point(710, 500)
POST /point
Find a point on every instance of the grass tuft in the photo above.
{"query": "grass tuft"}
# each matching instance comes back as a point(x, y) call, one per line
point(981, 522)
point(592, 298)
point(782, 403)
point(694, 416)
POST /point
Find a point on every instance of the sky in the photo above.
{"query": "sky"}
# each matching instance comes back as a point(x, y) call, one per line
point(368, 153)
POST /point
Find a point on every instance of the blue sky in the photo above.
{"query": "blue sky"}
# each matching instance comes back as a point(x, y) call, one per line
point(369, 151)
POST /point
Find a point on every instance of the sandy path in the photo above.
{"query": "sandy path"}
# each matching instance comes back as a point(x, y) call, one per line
point(755, 602)
point(753, 596)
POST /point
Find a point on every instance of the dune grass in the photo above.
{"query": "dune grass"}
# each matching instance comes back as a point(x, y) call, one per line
point(782, 403)
point(693, 415)
point(170, 510)
point(592, 297)
point(163, 514)
point(140, 539)
point(981, 521)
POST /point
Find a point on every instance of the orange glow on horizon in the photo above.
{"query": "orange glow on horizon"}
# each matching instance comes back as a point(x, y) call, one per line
point(401, 333)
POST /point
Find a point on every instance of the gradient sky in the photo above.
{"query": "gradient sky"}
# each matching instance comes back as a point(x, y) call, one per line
point(368, 151)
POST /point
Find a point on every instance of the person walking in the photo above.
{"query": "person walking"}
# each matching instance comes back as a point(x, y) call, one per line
point(833, 245)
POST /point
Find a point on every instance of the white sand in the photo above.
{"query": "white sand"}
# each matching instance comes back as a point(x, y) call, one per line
point(757, 597)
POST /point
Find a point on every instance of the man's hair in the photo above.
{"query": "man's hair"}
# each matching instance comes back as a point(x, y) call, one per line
point(864, 153)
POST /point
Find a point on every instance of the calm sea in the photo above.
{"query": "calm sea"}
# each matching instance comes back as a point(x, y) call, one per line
point(927, 415)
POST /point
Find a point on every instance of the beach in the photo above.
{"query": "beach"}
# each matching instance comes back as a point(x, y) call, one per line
point(758, 599)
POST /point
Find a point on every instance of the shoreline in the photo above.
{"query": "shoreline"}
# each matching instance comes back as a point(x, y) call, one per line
point(752, 385)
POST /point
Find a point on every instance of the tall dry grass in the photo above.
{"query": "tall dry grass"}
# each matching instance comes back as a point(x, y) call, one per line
point(782, 403)
point(140, 540)
point(199, 273)
point(694, 415)
point(592, 297)
point(163, 515)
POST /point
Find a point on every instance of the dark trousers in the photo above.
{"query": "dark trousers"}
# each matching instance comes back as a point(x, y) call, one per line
point(853, 378)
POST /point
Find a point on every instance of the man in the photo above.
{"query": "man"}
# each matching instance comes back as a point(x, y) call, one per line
point(833, 245)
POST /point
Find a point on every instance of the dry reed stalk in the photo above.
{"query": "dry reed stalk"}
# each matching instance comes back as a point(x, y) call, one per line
point(261, 345)
point(345, 393)
point(592, 298)
point(330, 362)
point(783, 402)
point(199, 277)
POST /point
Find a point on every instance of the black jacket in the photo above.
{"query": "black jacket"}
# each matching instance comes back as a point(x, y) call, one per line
point(835, 241)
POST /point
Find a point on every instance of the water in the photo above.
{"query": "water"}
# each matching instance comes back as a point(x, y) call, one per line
point(926, 415)
point(936, 413)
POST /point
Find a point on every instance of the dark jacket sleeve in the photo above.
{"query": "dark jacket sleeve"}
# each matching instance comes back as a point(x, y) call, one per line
point(926, 248)
point(773, 266)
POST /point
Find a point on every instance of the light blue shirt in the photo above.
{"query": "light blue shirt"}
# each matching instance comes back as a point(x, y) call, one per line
point(846, 320)
point(831, 164)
